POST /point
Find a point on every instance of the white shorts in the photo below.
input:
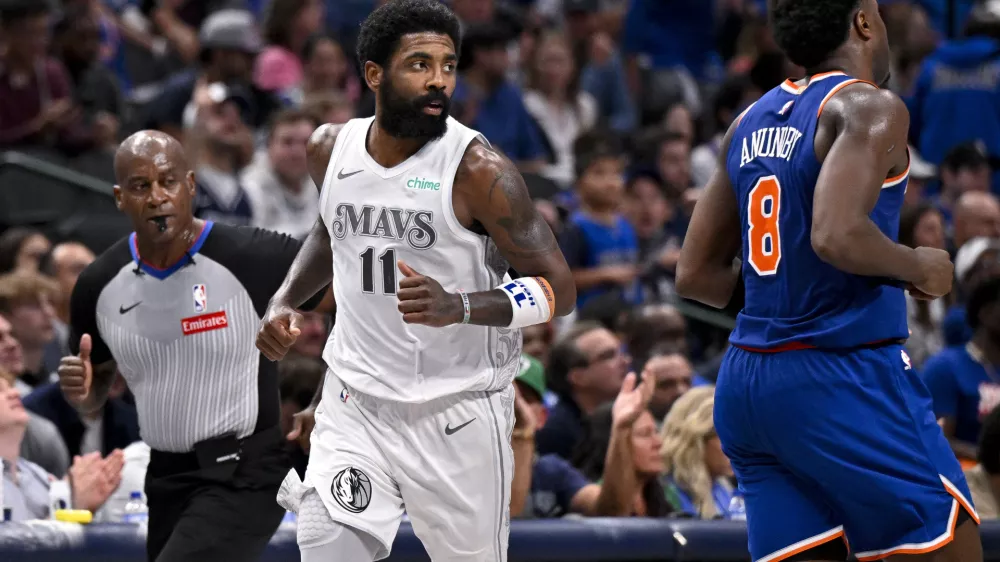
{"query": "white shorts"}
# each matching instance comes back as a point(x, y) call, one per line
point(447, 462)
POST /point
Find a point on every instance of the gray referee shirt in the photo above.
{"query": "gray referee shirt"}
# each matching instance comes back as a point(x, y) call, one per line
point(183, 337)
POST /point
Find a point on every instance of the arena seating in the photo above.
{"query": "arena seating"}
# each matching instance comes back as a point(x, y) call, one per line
point(592, 540)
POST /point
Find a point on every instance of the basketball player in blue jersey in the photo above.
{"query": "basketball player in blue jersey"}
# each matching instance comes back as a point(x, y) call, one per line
point(829, 430)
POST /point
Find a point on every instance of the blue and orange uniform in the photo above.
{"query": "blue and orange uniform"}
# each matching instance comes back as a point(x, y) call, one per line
point(830, 431)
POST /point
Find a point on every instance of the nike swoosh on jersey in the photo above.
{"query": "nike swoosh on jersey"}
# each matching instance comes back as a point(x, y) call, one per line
point(449, 430)
point(123, 310)
point(341, 175)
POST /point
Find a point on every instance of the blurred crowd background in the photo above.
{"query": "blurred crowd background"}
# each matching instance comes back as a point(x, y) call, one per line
point(613, 110)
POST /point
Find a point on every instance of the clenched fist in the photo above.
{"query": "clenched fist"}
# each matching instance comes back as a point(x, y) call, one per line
point(278, 331)
point(422, 300)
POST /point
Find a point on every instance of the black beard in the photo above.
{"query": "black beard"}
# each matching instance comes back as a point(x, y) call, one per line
point(405, 118)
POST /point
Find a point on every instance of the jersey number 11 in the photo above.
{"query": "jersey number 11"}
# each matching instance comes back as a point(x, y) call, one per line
point(387, 260)
point(763, 235)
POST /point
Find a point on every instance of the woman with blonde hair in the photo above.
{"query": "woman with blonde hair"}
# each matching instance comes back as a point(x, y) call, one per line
point(699, 478)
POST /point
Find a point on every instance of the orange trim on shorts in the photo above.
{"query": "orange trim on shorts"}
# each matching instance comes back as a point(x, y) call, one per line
point(952, 525)
point(550, 296)
point(837, 88)
point(810, 545)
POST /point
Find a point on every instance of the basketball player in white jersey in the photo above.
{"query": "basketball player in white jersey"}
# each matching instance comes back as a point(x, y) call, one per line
point(420, 222)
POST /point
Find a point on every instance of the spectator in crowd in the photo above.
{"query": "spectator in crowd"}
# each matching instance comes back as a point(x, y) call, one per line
point(586, 369)
point(599, 243)
point(549, 486)
point(964, 381)
point(67, 260)
point(287, 26)
point(922, 173)
point(659, 245)
point(327, 69)
point(674, 164)
point(537, 341)
point(976, 213)
point(555, 101)
point(674, 377)
point(729, 101)
point(92, 478)
point(26, 302)
point(955, 97)
point(298, 379)
point(699, 479)
point(114, 426)
point(38, 109)
point(22, 248)
point(221, 145)
point(228, 43)
point(603, 72)
point(486, 101)
point(95, 89)
point(42, 443)
point(313, 332)
point(656, 326)
point(63, 265)
point(977, 259)
point(922, 225)
point(677, 119)
point(965, 169)
point(329, 107)
point(984, 477)
point(642, 465)
point(277, 183)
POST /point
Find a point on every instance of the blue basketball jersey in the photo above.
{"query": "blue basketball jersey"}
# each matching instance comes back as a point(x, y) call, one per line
point(793, 298)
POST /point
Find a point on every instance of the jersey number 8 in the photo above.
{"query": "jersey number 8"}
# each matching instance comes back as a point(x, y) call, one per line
point(763, 235)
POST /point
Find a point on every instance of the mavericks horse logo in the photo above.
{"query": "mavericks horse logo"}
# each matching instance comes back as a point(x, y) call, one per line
point(352, 489)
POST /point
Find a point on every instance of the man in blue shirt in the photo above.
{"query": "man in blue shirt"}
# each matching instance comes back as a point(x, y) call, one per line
point(956, 97)
point(486, 101)
point(964, 381)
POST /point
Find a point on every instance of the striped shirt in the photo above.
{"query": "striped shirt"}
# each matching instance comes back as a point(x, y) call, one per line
point(183, 337)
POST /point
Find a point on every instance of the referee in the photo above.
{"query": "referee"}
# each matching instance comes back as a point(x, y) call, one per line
point(175, 307)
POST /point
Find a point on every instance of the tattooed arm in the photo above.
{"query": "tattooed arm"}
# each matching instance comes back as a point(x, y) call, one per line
point(491, 192)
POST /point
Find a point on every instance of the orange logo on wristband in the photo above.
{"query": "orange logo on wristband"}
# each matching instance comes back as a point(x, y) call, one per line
point(549, 295)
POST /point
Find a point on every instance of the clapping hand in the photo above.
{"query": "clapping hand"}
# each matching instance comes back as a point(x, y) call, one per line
point(93, 479)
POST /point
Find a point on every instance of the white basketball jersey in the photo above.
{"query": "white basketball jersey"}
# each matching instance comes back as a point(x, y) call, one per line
point(378, 216)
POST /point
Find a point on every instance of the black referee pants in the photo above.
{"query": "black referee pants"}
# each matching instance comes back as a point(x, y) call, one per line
point(212, 515)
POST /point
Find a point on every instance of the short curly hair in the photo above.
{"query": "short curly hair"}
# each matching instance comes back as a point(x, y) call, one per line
point(809, 31)
point(383, 28)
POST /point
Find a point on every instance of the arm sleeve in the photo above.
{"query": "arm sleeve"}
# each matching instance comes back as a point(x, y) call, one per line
point(940, 380)
point(83, 316)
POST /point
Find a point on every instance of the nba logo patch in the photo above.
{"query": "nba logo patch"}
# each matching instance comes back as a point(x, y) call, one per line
point(200, 298)
point(344, 395)
point(906, 360)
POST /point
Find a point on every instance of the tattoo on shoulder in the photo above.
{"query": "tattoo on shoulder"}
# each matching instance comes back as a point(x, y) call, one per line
point(510, 206)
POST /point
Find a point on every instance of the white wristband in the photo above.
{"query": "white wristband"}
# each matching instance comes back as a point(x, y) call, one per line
point(532, 300)
point(466, 307)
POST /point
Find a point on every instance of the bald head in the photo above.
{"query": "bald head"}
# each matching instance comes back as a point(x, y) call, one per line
point(977, 213)
point(156, 146)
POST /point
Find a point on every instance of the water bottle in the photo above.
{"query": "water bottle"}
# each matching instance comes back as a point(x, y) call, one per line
point(59, 497)
point(737, 508)
point(136, 511)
